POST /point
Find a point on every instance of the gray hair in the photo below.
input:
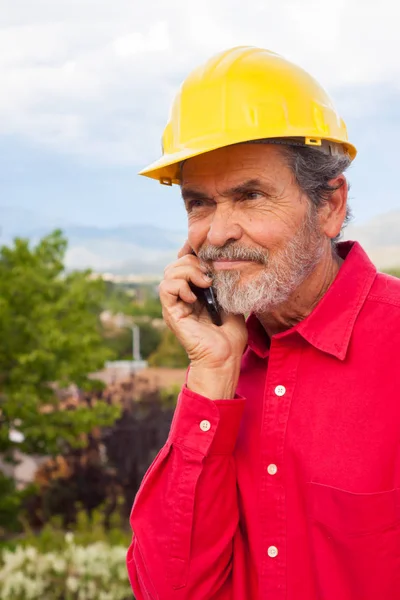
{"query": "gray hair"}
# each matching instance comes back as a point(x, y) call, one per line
point(313, 171)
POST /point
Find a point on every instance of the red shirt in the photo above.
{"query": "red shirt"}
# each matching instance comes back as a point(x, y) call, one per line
point(290, 491)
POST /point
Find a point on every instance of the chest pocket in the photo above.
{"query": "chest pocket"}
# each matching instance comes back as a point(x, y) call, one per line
point(355, 543)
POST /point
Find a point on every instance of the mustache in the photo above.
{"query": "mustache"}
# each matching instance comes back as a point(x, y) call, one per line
point(233, 252)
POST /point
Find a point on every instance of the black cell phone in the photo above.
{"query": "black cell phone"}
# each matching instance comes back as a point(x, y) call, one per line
point(208, 297)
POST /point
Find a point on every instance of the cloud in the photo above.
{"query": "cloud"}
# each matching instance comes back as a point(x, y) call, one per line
point(156, 40)
point(96, 80)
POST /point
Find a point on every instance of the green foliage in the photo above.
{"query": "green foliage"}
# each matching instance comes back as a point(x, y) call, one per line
point(11, 503)
point(86, 562)
point(150, 339)
point(50, 336)
point(150, 308)
point(121, 343)
point(169, 353)
point(86, 531)
point(394, 272)
point(65, 569)
point(169, 395)
point(116, 299)
point(119, 300)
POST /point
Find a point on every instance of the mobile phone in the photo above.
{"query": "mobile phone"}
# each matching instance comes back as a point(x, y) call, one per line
point(208, 297)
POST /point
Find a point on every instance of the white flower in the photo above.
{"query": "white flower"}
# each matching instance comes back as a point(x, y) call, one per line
point(72, 584)
point(69, 537)
point(59, 564)
point(16, 436)
point(95, 572)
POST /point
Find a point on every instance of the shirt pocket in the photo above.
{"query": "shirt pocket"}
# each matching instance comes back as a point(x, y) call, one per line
point(355, 543)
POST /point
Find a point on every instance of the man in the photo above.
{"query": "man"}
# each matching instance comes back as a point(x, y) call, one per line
point(280, 478)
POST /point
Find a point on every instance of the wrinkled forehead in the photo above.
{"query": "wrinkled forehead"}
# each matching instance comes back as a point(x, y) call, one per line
point(260, 153)
point(241, 161)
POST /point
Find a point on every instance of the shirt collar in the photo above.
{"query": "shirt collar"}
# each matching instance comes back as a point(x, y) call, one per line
point(258, 339)
point(330, 325)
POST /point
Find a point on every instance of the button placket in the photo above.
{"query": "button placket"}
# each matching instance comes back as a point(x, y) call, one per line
point(282, 367)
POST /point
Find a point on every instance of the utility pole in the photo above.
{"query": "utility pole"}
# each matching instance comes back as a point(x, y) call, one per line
point(136, 343)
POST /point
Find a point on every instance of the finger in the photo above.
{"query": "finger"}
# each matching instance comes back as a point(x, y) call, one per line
point(172, 290)
point(193, 274)
point(193, 258)
point(189, 260)
point(186, 249)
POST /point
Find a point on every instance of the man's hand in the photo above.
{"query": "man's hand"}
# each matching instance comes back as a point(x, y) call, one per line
point(214, 352)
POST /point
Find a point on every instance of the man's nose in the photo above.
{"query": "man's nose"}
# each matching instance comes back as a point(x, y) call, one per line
point(224, 228)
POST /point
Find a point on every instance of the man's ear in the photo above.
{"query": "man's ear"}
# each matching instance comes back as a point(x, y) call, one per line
point(333, 212)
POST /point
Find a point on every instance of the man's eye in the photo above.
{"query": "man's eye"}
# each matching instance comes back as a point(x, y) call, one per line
point(195, 204)
point(253, 195)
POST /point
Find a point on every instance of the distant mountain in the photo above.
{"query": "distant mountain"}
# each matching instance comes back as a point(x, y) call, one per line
point(128, 249)
point(135, 249)
point(145, 250)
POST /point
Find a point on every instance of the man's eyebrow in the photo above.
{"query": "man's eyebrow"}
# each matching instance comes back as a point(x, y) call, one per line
point(249, 186)
point(189, 193)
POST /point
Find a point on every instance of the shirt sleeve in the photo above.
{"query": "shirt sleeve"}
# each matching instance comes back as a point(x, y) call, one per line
point(185, 515)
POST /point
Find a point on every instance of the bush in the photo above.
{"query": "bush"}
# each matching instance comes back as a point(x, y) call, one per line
point(80, 565)
point(11, 503)
point(150, 338)
point(87, 531)
point(120, 343)
point(151, 308)
point(94, 572)
point(169, 353)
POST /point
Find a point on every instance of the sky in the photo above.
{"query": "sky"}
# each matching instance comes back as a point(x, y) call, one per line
point(86, 87)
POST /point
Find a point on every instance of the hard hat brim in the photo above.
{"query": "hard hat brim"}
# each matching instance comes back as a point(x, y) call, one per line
point(166, 170)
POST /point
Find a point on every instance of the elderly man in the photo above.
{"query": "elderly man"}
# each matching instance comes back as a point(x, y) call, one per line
point(280, 479)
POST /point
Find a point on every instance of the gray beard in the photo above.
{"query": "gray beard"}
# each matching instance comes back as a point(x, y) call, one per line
point(283, 272)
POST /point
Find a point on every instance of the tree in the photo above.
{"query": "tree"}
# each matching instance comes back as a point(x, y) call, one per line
point(169, 353)
point(116, 299)
point(150, 338)
point(121, 343)
point(150, 308)
point(50, 338)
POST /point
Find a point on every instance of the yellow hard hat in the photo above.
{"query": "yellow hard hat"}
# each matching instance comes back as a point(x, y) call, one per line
point(241, 95)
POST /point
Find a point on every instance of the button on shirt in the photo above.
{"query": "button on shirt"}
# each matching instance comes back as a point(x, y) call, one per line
point(293, 490)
